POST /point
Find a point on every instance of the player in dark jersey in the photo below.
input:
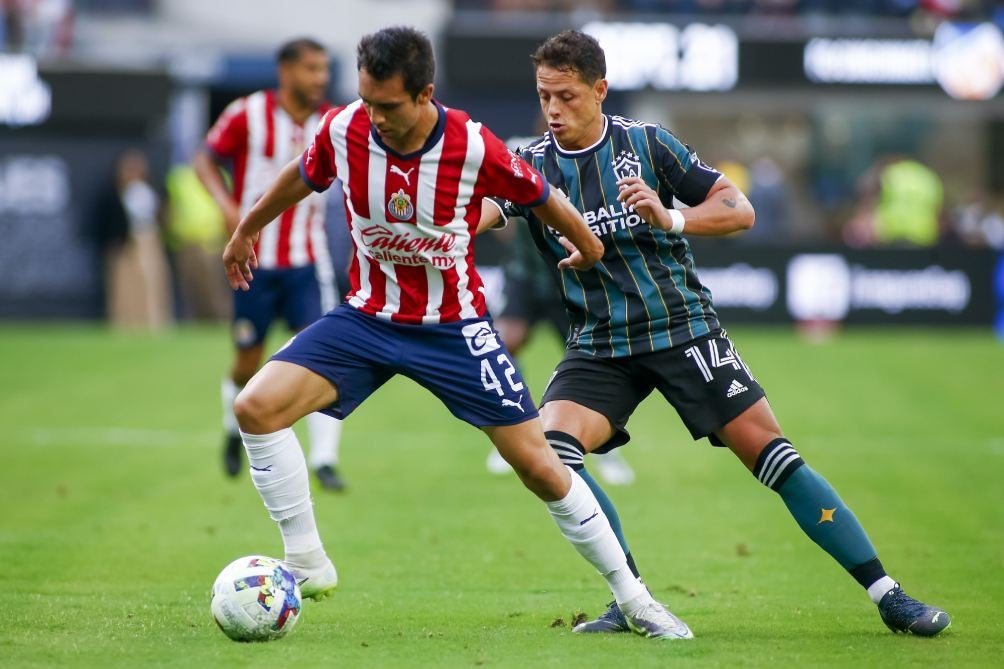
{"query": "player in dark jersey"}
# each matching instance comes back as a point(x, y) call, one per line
point(643, 321)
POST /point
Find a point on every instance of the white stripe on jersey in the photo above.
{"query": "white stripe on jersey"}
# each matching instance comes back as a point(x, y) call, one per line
point(465, 189)
point(425, 207)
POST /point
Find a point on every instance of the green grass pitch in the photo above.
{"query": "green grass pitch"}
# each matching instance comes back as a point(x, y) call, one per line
point(116, 517)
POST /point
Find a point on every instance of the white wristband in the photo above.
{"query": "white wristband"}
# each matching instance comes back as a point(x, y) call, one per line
point(678, 221)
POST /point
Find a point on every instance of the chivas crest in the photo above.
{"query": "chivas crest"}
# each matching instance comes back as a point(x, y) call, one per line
point(399, 206)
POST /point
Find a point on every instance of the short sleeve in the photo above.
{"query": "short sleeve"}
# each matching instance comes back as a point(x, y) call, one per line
point(680, 169)
point(229, 135)
point(317, 165)
point(507, 176)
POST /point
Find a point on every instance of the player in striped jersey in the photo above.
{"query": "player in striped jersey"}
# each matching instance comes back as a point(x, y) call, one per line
point(259, 134)
point(643, 321)
point(414, 175)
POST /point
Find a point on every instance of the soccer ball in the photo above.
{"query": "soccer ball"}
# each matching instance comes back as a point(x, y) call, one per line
point(255, 598)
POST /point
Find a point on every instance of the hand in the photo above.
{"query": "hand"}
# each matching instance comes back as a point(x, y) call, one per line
point(578, 260)
point(636, 193)
point(239, 259)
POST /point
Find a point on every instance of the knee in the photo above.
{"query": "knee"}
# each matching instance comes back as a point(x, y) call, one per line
point(254, 413)
point(545, 477)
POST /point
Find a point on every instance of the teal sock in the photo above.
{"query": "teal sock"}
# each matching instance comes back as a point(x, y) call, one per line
point(572, 453)
point(816, 506)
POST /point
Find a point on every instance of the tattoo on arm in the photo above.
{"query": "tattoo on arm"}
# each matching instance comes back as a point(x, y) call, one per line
point(729, 202)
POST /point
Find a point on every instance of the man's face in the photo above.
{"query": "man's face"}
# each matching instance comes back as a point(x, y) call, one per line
point(392, 109)
point(571, 106)
point(307, 77)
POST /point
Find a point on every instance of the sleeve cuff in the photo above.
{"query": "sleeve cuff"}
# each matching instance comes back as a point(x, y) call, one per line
point(544, 194)
point(307, 180)
point(501, 209)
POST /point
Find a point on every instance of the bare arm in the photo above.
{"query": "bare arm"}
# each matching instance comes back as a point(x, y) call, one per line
point(725, 209)
point(238, 257)
point(208, 171)
point(583, 246)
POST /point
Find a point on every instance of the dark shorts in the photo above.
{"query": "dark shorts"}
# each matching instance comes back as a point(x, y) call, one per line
point(704, 379)
point(464, 364)
point(293, 295)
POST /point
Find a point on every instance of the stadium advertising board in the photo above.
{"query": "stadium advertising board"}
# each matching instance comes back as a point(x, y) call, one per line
point(874, 286)
point(965, 60)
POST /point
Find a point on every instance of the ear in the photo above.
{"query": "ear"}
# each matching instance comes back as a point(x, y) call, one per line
point(600, 90)
point(425, 94)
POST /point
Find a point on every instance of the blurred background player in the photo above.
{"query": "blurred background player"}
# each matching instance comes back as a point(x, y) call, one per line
point(521, 290)
point(258, 135)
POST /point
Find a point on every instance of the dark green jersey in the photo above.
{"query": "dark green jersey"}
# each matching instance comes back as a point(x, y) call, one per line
point(644, 294)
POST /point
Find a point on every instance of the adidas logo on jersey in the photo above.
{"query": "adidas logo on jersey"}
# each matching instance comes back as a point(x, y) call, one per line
point(736, 388)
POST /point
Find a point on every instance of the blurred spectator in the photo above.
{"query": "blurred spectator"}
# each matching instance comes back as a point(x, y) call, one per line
point(127, 230)
point(195, 238)
point(43, 28)
point(769, 196)
point(979, 223)
point(900, 202)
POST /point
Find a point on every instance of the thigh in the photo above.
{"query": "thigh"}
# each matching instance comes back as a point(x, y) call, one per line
point(596, 387)
point(301, 297)
point(282, 393)
point(255, 309)
point(466, 365)
point(350, 350)
point(705, 380)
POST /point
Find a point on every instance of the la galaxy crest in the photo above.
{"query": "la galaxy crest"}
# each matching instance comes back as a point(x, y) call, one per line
point(399, 206)
point(627, 164)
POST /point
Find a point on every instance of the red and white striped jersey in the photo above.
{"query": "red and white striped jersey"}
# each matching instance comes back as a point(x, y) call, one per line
point(260, 138)
point(413, 217)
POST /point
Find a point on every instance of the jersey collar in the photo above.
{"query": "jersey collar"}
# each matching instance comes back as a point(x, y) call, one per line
point(433, 138)
point(589, 149)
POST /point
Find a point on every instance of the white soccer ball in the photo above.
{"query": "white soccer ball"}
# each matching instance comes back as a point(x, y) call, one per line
point(255, 598)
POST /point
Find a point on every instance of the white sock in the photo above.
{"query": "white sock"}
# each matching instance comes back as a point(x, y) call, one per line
point(585, 526)
point(228, 393)
point(878, 589)
point(279, 473)
point(325, 434)
point(302, 542)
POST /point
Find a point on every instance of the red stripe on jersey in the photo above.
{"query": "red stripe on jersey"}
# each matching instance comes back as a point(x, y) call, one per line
point(358, 149)
point(354, 260)
point(449, 310)
point(451, 165)
point(414, 285)
point(378, 288)
point(311, 224)
point(282, 243)
point(269, 148)
point(400, 190)
point(447, 183)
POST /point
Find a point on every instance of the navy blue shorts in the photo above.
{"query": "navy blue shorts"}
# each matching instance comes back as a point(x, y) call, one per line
point(464, 364)
point(291, 294)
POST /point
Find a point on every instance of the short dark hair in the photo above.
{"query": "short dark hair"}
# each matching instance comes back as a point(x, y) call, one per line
point(291, 51)
point(575, 51)
point(399, 49)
